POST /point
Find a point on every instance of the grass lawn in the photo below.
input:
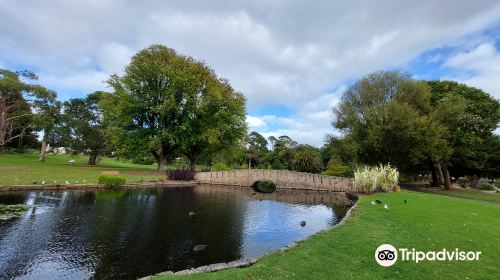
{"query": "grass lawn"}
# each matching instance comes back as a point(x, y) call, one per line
point(427, 222)
point(26, 169)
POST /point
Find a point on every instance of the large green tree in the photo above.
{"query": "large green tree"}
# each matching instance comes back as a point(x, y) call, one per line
point(388, 115)
point(48, 114)
point(169, 105)
point(21, 102)
point(470, 116)
point(82, 126)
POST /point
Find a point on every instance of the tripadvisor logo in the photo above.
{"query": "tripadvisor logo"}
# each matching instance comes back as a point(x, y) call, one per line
point(387, 255)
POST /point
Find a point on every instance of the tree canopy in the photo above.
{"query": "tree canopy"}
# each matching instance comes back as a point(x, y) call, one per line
point(416, 125)
point(169, 104)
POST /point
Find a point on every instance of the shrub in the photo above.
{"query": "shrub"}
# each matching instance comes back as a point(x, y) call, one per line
point(181, 174)
point(111, 180)
point(335, 167)
point(376, 178)
point(264, 186)
point(487, 187)
point(308, 160)
point(219, 166)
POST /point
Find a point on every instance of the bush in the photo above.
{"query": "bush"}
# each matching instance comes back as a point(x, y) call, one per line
point(335, 167)
point(219, 166)
point(264, 186)
point(487, 187)
point(111, 180)
point(376, 178)
point(308, 160)
point(181, 174)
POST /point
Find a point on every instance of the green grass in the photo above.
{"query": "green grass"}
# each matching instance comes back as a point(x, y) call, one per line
point(470, 194)
point(26, 169)
point(426, 222)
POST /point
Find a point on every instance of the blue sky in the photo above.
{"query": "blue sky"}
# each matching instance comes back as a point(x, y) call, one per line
point(292, 60)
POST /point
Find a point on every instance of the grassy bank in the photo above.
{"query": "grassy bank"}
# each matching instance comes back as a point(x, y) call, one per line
point(26, 170)
point(426, 222)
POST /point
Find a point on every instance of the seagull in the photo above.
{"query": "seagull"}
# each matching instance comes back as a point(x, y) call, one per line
point(373, 202)
point(385, 206)
point(303, 223)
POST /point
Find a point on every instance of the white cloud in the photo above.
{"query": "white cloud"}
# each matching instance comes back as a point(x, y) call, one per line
point(275, 52)
point(482, 64)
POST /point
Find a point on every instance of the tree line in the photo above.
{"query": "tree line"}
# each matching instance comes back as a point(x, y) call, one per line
point(439, 127)
point(167, 106)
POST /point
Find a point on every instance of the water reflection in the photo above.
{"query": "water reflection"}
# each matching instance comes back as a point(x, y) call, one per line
point(125, 234)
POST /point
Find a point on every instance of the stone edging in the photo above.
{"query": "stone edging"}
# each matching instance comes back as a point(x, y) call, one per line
point(248, 261)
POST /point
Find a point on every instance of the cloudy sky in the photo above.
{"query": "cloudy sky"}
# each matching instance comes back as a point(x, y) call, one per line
point(291, 59)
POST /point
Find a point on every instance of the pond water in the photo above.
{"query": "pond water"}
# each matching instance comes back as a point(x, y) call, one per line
point(130, 233)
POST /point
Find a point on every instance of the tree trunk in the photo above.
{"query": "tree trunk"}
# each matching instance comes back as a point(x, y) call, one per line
point(447, 184)
point(161, 164)
point(440, 174)
point(44, 146)
point(435, 178)
point(93, 158)
point(160, 160)
point(192, 163)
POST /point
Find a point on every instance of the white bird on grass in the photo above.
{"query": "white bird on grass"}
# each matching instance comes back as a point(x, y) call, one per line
point(373, 202)
point(43, 182)
point(67, 183)
point(385, 206)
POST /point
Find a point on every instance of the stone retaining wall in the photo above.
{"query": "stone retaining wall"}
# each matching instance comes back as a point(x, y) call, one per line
point(283, 179)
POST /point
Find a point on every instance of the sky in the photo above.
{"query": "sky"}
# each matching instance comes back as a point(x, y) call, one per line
point(291, 59)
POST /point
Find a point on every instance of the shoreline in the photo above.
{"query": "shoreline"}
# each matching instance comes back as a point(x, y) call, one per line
point(240, 263)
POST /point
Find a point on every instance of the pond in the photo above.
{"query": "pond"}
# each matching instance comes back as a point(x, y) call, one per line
point(131, 233)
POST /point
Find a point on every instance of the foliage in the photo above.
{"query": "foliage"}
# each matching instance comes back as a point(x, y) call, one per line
point(11, 211)
point(168, 104)
point(181, 174)
point(376, 178)
point(219, 166)
point(256, 147)
point(471, 118)
point(335, 167)
point(264, 186)
point(487, 187)
point(17, 99)
point(82, 126)
point(307, 159)
point(111, 180)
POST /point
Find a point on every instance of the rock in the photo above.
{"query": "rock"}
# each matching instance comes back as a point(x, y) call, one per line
point(204, 268)
point(145, 278)
point(199, 247)
point(184, 272)
point(217, 266)
point(238, 263)
point(252, 260)
point(303, 223)
point(166, 273)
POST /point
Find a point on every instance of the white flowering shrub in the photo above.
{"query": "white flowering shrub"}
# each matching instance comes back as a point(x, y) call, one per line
point(376, 178)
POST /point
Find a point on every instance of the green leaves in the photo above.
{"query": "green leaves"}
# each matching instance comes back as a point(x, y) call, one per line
point(174, 105)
